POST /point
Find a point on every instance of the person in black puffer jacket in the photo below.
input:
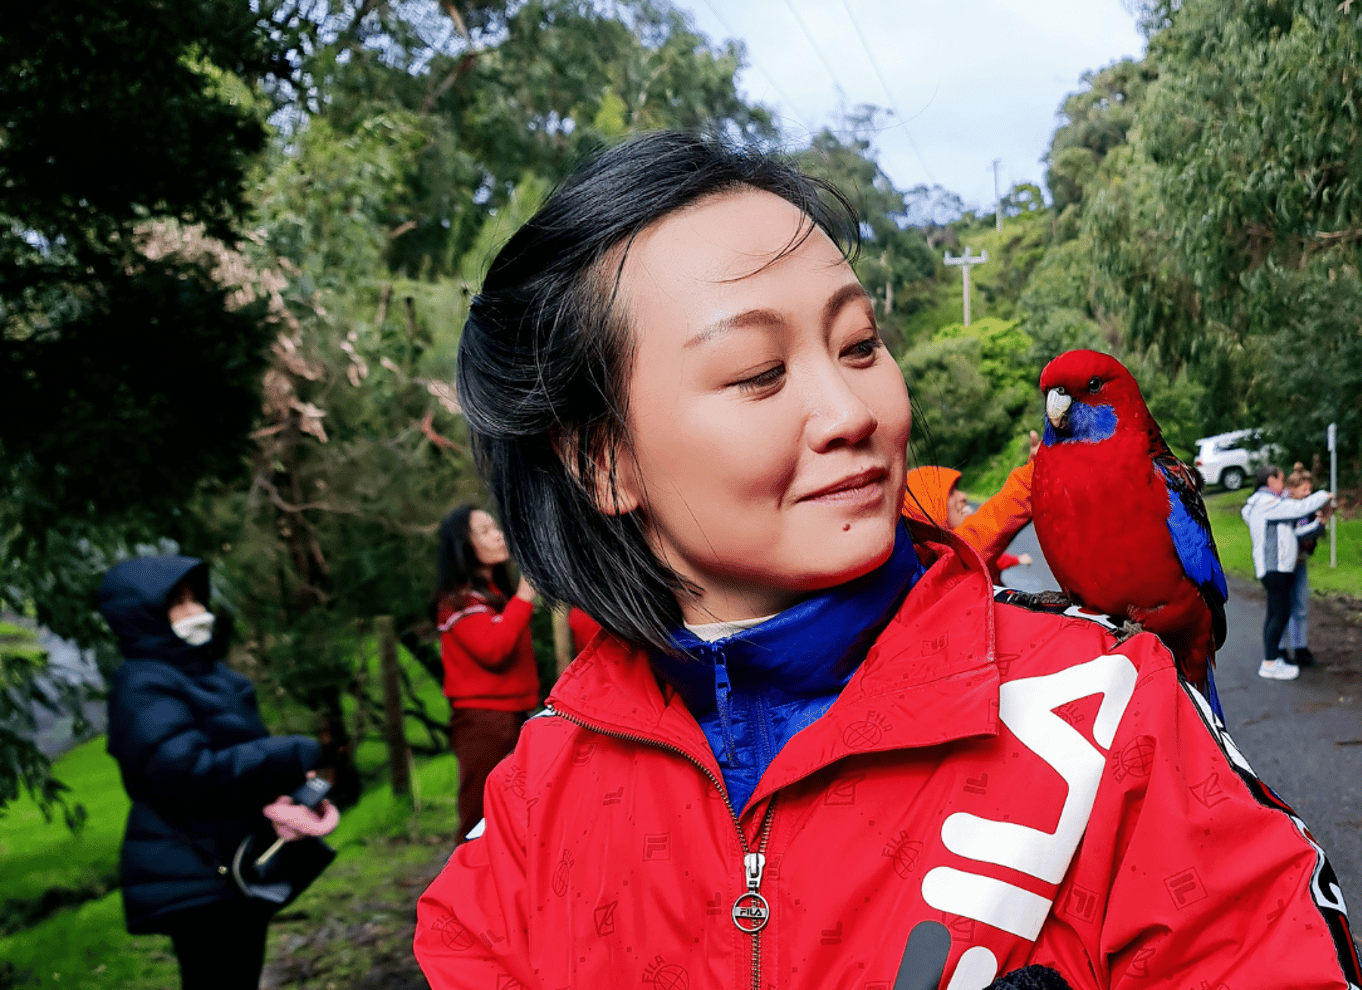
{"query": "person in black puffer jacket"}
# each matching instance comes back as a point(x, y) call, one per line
point(199, 766)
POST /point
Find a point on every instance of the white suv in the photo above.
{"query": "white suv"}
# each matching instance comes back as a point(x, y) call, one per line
point(1228, 459)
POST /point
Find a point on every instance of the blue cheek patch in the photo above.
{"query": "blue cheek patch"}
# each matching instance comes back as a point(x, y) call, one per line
point(1087, 424)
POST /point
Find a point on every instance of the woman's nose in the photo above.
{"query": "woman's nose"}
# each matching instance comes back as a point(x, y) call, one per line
point(838, 415)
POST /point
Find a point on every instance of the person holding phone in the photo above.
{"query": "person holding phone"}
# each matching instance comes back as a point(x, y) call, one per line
point(210, 786)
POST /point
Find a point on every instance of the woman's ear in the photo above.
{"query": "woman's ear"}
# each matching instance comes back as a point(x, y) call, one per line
point(611, 483)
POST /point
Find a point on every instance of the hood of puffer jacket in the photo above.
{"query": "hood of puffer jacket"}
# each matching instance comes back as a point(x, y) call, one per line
point(132, 598)
point(928, 488)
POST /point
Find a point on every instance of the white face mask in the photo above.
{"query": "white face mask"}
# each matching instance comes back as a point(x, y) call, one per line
point(196, 629)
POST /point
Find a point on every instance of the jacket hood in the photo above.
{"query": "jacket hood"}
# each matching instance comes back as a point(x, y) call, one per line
point(928, 489)
point(132, 599)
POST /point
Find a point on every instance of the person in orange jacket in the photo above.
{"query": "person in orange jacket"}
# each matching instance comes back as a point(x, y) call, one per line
point(933, 496)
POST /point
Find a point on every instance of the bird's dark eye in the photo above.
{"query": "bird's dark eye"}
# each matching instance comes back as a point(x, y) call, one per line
point(1094, 383)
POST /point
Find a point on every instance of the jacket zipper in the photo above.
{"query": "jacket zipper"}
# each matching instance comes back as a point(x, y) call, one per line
point(754, 863)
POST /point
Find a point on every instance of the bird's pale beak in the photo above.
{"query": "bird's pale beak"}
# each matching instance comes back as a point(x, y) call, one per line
point(1057, 404)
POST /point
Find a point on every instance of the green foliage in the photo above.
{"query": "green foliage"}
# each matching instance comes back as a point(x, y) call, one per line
point(1095, 120)
point(1228, 233)
point(116, 113)
point(516, 88)
point(126, 379)
point(27, 683)
point(982, 480)
point(971, 387)
point(895, 264)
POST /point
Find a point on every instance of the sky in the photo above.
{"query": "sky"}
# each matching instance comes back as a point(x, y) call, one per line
point(968, 81)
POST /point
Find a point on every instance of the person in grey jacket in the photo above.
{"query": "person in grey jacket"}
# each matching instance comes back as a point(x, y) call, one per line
point(200, 767)
point(1271, 517)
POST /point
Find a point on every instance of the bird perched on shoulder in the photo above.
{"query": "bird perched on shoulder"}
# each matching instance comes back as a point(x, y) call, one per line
point(1118, 516)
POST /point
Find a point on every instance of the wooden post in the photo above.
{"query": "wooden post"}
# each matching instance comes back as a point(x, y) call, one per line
point(398, 755)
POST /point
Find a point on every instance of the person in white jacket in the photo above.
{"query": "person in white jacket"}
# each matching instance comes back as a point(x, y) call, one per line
point(1271, 517)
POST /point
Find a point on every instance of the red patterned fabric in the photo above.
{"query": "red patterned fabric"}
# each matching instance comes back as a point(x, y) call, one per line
point(1047, 795)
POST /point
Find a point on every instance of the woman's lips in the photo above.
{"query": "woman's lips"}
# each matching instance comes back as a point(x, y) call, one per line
point(868, 486)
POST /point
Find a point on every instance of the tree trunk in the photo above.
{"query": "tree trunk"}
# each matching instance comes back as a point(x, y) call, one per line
point(338, 751)
point(398, 755)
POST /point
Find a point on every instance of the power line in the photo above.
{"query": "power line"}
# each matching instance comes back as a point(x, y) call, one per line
point(893, 103)
point(733, 35)
point(808, 36)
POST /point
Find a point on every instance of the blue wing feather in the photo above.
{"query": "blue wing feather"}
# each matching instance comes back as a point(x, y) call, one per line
point(1192, 538)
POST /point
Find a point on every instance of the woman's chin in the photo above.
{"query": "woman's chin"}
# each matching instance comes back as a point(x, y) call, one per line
point(851, 553)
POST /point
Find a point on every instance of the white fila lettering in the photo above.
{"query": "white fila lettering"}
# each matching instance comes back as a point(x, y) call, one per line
point(1027, 708)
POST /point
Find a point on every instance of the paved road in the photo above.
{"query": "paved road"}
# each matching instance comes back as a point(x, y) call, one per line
point(1301, 736)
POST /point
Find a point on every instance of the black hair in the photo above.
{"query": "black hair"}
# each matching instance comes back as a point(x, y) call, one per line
point(546, 356)
point(1265, 473)
point(460, 570)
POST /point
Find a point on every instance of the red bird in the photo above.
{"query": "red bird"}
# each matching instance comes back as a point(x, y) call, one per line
point(1119, 518)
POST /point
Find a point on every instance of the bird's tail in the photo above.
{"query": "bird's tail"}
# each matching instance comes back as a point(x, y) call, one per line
point(1212, 696)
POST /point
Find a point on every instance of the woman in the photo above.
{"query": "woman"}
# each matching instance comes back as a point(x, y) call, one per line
point(1300, 483)
point(811, 750)
point(204, 775)
point(491, 679)
point(1272, 518)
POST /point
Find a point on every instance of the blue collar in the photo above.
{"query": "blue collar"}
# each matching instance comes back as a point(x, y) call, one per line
point(810, 650)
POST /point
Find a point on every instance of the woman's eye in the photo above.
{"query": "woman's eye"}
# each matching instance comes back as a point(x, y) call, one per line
point(766, 379)
point(864, 348)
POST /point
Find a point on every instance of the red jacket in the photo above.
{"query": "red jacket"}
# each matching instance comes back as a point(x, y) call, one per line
point(488, 657)
point(583, 627)
point(1048, 795)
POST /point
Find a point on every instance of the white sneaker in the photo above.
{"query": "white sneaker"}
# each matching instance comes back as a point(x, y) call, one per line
point(1278, 670)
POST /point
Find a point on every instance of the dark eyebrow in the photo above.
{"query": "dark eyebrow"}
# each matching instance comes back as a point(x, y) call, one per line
point(848, 293)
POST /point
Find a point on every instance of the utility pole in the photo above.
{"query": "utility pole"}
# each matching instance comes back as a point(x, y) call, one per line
point(1332, 438)
point(966, 262)
point(998, 199)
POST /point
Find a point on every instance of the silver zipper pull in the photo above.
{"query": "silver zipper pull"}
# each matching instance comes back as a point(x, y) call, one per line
point(750, 910)
point(754, 864)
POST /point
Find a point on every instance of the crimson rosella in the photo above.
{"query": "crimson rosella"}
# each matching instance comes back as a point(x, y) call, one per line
point(1118, 516)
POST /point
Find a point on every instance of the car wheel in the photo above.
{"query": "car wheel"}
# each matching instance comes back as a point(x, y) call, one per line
point(1232, 479)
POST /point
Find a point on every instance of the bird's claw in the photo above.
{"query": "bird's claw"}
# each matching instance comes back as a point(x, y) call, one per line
point(1127, 630)
point(1039, 599)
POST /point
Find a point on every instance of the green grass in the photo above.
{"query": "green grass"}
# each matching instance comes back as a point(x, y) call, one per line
point(1236, 551)
point(88, 948)
point(381, 840)
point(45, 859)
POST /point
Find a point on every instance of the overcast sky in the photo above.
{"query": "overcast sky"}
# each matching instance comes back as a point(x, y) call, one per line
point(970, 80)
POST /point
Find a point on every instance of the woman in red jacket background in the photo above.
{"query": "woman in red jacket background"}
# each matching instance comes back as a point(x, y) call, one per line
point(491, 679)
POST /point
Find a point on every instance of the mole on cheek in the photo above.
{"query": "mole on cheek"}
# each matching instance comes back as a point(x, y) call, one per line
point(846, 527)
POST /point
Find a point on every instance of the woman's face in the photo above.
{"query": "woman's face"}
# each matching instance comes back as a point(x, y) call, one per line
point(488, 542)
point(768, 423)
point(181, 604)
